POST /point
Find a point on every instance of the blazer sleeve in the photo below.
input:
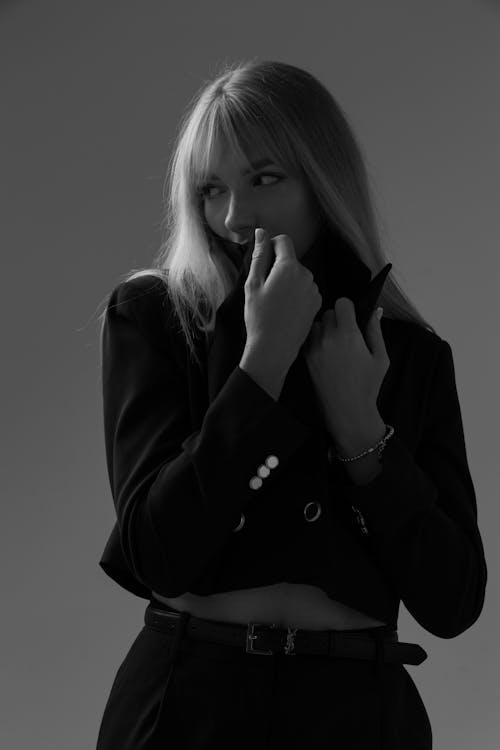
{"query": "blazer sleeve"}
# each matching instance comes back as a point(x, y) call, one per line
point(178, 492)
point(421, 516)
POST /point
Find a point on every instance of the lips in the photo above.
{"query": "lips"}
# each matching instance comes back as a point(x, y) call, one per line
point(240, 248)
point(248, 245)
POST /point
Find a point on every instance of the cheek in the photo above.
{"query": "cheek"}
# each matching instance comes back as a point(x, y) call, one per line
point(286, 211)
point(215, 215)
point(299, 204)
point(302, 213)
point(210, 219)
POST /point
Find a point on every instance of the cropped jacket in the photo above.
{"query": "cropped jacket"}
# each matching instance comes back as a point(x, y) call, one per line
point(217, 486)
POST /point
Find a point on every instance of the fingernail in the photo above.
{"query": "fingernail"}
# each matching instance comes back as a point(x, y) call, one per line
point(259, 234)
point(380, 312)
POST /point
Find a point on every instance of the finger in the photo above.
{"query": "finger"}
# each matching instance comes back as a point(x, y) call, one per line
point(345, 313)
point(375, 338)
point(312, 337)
point(327, 322)
point(267, 250)
point(262, 257)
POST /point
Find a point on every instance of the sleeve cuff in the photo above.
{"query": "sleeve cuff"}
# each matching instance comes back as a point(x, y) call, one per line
point(394, 497)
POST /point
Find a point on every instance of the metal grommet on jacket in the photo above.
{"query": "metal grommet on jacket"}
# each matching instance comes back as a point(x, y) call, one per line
point(317, 512)
point(241, 523)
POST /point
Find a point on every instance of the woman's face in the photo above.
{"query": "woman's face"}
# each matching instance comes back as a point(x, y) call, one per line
point(238, 197)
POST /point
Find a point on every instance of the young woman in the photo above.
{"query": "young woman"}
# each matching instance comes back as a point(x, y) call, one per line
point(284, 474)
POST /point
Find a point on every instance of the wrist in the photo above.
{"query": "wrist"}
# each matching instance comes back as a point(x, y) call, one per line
point(269, 379)
point(354, 441)
point(256, 357)
point(358, 435)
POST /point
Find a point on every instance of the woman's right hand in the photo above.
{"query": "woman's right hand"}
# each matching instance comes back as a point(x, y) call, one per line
point(281, 302)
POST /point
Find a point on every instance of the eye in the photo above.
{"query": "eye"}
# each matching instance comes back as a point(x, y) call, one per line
point(203, 190)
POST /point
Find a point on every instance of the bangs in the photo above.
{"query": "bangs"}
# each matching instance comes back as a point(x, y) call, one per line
point(246, 136)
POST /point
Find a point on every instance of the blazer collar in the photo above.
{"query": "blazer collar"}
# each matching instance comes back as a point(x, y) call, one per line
point(337, 272)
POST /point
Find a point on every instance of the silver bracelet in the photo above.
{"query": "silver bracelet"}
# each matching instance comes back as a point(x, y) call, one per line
point(389, 432)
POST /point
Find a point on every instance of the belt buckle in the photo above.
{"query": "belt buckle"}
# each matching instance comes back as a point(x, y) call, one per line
point(251, 636)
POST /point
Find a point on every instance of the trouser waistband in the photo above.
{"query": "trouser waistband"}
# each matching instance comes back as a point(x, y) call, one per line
point(379, 643)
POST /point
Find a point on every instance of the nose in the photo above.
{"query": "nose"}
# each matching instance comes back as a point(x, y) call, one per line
point(240, 220)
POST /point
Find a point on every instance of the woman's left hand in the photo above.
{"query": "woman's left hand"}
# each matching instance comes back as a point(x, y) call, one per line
point(347, 374)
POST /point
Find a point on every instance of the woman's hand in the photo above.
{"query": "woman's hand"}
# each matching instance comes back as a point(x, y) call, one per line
point(347, 374)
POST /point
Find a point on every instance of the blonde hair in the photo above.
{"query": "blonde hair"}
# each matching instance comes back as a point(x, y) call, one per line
point(298, 122)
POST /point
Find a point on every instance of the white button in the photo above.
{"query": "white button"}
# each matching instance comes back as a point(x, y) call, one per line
point(263, 471)
point(241, 523)
point(316, 509)
point(272, 462)
point(255, 483)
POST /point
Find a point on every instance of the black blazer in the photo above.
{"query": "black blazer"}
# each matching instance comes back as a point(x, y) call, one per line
point(217, 486)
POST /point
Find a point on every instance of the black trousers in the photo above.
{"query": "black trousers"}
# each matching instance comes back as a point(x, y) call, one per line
point(175, 692)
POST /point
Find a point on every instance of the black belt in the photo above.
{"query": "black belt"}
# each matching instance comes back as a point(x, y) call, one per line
point(267, 638)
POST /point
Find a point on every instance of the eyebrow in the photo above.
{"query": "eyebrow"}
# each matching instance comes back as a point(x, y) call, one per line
point(254, 164)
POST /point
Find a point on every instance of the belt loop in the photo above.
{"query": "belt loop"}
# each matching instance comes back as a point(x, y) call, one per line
point(176, 642)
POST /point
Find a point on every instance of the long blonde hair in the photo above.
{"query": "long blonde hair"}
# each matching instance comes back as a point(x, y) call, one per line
point(296, 119)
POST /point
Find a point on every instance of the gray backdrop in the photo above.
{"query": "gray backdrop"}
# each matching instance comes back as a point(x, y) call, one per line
point(91, 93)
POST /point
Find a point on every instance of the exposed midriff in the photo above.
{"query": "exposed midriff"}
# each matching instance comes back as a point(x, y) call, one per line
point(285, 604)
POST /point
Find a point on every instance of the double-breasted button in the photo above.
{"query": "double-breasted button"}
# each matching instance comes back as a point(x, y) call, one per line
point(272, 462)
point(312, 511)
point(263, 472)
point(241, 523)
